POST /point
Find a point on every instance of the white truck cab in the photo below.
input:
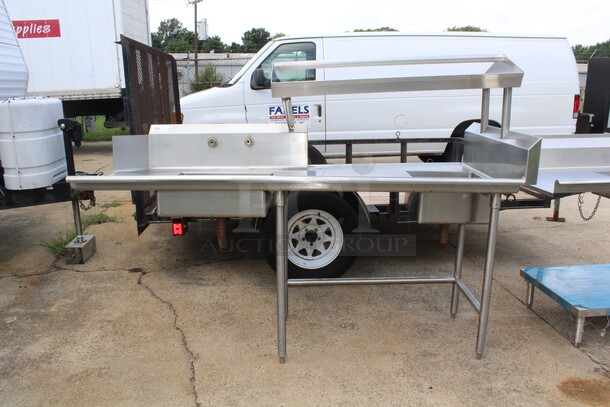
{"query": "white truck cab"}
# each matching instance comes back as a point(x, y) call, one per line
point(545, 104)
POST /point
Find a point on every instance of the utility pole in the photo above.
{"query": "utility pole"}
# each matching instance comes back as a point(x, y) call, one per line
point(196, 36)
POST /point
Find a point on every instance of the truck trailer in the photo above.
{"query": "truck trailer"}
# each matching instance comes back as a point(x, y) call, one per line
point(70, 49)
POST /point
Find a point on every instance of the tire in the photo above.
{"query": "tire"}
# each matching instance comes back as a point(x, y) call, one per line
point(455, 151)
point(314, 156)
point(318, 223)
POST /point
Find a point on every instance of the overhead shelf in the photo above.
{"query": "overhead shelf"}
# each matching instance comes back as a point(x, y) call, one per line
point(502, 73)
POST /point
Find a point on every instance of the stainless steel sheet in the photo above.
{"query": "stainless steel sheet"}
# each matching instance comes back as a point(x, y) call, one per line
point(572, 165)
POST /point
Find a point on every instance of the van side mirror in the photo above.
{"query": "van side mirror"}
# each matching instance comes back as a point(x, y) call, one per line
point(258, 80)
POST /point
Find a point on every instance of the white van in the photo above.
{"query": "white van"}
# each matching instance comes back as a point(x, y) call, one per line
point(547, 102)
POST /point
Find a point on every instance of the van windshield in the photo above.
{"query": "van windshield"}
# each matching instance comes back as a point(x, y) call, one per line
point(243, 70)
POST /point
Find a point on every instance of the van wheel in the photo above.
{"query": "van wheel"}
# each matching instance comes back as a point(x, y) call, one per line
point(314, 156)
point(455, 151)
point(318, 224)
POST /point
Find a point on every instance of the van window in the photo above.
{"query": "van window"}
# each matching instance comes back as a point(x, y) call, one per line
point(302, 51)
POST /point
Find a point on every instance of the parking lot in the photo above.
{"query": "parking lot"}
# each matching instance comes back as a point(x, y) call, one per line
point(158, 320)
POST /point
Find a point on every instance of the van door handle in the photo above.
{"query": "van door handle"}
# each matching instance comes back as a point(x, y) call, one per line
point(318, 110)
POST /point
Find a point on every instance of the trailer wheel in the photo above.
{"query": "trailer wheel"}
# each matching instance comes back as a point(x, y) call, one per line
point(318, 224)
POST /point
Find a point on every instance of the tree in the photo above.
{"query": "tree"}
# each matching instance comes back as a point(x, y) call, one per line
point(234, 48)
point(206, 79)
point(585, 52)
point(467, 28)
point(213, 43)
point(278, 35)
point(255, 39)
point(367, 30)
point(171, 36)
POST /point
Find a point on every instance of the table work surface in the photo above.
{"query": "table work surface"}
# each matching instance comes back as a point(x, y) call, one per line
point(384, 177)
point(584, 286)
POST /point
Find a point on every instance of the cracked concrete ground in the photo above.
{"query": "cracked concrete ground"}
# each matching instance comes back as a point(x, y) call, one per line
point(157, 320)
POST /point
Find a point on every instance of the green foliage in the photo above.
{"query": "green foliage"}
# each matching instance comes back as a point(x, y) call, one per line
point(234, 48)
point(254, 39)
point(213, 43)
point(206, 79)
point(467, 28)
point(172, 36)
point(584, 52)
point(98, 219)
point(362, 30)
point(101, 133)
point(278, 35)
point(112, 204)
point(58, 244)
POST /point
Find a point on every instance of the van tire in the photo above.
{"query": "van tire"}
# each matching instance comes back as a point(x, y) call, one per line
point(449, 154)
point(314, 156)
point(313, 252)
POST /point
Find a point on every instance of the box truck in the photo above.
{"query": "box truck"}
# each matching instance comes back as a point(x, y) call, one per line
point(547, 102)
point(70, 49)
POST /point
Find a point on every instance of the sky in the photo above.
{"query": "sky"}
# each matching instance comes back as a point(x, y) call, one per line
point(585, 22)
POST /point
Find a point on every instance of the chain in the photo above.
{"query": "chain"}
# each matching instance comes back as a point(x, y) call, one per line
point(90, 205)
point(581, 201)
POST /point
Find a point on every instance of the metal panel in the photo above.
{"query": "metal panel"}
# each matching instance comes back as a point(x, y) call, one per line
point(130, 153)
point(513, 156)
point(453, 208)
point(219, 149)
point(199, 149)
point(152, 97)
point(212, 204)
point(597, 100)
point(152, 86)
point(571, 165)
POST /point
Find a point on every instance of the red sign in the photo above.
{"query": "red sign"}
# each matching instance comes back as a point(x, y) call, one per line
point(36, 28)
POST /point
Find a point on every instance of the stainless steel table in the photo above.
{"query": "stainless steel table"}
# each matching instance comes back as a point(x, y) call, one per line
point(249, 161)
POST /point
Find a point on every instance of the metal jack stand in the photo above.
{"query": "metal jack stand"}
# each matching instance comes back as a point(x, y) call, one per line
point(79, 250)
point(555, 217)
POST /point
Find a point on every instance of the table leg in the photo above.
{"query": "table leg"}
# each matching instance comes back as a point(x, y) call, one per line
point(529, 300)
point(495, 201)
point(457, 270)
point(580, 329)
point(281, 265)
